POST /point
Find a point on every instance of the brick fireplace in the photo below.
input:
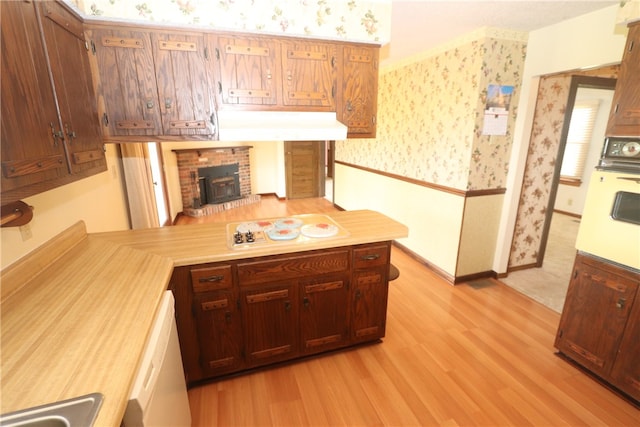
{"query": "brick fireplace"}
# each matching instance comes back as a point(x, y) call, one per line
point(196, 169)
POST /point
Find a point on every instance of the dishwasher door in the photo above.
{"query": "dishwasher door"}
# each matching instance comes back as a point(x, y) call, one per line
point(159, 394)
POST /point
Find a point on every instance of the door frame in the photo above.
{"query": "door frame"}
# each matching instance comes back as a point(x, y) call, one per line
point(576, 83)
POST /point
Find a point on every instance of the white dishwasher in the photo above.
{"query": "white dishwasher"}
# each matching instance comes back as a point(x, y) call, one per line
point(159, 394)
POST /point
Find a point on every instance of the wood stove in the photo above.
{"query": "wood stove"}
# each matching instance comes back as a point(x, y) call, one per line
point(219, 184)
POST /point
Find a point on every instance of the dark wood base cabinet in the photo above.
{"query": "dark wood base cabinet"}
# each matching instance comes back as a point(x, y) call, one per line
point(246, 313)
point(600, 323)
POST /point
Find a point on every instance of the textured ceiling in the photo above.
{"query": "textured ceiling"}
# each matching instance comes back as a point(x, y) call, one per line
point(419, 25)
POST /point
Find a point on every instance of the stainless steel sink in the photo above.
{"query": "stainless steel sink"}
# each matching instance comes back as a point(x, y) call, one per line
point(79, 411)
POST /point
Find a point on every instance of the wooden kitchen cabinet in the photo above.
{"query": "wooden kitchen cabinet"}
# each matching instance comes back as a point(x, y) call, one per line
point(126, 81)
point(370, 289)
point(269, 73)
point(358, 92)
point(599, 323)
point(208, 320)
point(624, 119)
point(324, 313)
point(252, 312)
point(153, 83)
point(247, 70)
point(309, 74)
point(270, 319)
point(184, 83)
point(50, 132)
point(626, 368)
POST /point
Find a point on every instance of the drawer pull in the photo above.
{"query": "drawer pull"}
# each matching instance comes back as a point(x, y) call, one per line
point(210, 279)
point(370, 257)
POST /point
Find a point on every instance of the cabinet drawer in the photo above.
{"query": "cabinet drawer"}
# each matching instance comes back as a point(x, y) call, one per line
point(371, 256)
point(292, 267)
point(211, 278)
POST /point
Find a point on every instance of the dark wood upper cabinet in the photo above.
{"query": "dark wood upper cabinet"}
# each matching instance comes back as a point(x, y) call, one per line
point(126, 81)
point(256, 72)
point(248, 70)
point(358, 92)
point(309, 74)
point(70, 68)
point(182, 65)
point(624, 119)
point(50, 133)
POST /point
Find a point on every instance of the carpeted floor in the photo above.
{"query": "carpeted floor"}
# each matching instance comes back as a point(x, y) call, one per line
point(548, 284)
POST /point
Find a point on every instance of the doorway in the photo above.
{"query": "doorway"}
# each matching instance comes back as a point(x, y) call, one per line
point(305, 169)
point(547, 280)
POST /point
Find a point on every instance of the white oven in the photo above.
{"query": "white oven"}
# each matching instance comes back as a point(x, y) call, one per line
point(610, 224)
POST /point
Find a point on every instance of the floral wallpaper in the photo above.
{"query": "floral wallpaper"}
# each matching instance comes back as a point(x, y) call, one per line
point(548, 120)
point(430, 114)
point(355, 20)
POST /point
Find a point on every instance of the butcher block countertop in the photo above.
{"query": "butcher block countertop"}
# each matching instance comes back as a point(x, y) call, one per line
point(76, 312)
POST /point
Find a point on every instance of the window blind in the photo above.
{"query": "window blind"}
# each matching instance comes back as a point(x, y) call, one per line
point(583, 118)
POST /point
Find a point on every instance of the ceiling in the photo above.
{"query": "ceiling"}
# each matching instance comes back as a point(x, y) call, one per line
point(420, 25)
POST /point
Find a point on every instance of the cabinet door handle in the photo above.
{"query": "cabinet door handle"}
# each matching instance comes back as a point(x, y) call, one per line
point(621, 302)
point(105, 119)
point(227, 316)
point(349, 106)
point(358, 294)
point(287, 305)
point(167, 103)
point(210, 279)
point(306, 302)
point(56, 134)
point(370, 257)
point(70, 134)
point(150, 104)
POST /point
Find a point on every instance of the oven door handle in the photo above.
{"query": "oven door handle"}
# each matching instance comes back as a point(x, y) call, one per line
point(629, 178)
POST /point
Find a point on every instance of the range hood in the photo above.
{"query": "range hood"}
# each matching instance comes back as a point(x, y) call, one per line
point(279, 126)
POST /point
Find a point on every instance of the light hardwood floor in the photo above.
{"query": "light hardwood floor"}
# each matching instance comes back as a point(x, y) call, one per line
point(452, 356)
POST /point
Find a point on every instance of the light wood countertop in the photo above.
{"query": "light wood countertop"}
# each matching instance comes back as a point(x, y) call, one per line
point(200, 243)
point(76, 313)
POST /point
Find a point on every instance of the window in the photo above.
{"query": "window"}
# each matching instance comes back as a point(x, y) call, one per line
point(583, 117)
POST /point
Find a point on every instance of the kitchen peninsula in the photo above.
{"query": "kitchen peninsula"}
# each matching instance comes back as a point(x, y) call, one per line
point(76, 312)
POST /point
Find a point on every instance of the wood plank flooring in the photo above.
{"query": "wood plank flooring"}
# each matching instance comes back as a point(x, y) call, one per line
point(452, 356)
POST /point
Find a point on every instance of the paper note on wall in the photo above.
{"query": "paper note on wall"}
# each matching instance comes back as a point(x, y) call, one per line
point(496, 112)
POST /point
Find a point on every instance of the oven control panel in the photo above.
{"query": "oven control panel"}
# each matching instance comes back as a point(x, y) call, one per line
point(620, 154)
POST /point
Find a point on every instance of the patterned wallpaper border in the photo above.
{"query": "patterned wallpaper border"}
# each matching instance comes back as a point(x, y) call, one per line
point(350, 20)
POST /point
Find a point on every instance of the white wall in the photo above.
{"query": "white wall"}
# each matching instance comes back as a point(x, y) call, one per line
point(571, 198)
point(587, 41)
point(430, 230)
point(99, 201)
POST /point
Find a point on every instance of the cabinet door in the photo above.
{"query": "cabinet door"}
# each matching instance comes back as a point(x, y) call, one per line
point(248, 71)
point(32, 151)
point(324, 314)
point(270, 315)
point(626, 369)
point(625, 111)
point(594, 316)
point(219, 329)
point(369, 309)
point(127, 82)
point(359, 96)
point(68, 56)
point(309, 74)
point(186, 102)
